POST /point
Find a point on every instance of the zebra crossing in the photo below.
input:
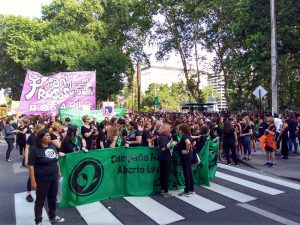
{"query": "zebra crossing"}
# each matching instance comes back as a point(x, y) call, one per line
point(98, 213)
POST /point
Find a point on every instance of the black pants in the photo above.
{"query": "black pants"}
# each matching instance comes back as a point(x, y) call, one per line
point(45, 190)
point(28, 184)
point(21, 148)
point(164, 174)
point(10, 146)
point(187, 172)
point(230, 147)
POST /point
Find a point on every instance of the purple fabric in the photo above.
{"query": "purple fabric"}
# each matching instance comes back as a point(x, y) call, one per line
point(69, 90)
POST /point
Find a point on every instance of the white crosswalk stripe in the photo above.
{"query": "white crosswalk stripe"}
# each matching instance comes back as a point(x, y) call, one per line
point(98, 214)
point(238, 196)
point(156, 211)
point(274, 180)
point(199, 202)
point(25, 210)
point(249, 184)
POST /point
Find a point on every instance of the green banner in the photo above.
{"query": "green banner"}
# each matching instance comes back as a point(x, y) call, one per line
point(76, 115)
point(118, 172)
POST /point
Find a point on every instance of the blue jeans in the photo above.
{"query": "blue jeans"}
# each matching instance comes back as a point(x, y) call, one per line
point(10, 146)
point(246, 142)
point(293, 141)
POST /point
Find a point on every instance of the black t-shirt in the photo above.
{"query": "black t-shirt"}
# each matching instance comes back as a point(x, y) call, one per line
point(292, 128)
point(132, 135)
point(44, 160)
point(246, 129)
point(163, 140)
point(102, 137)
point(229, 135)
point(88, 140)
point(200, 142)
point(146, 135)
point(68, 146)
point(21, 138)
point(182, 144)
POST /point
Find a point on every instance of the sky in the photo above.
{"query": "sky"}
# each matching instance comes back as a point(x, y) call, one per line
point(27, 8)
point(32, 8)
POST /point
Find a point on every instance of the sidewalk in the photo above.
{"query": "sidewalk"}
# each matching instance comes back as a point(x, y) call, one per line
point(285, 168)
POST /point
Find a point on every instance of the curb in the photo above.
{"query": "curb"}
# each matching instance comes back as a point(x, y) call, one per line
point(253, 167)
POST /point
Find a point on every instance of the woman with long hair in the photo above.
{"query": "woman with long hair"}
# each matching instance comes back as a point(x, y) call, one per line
point(270, 146)
point(283, 138)
point(246, 137)
point(72, 142)
point(230, 142)
point(29, 144)
point(87, 132)
point(21, 137)
point(9, 133)
point(134, 136)
point(185, 148)
point(44, 173)
point(113, 134)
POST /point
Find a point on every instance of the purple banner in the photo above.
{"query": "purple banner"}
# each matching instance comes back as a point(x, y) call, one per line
point(68, 90)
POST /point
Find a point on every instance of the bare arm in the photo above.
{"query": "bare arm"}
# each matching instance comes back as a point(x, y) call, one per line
point(32, 177)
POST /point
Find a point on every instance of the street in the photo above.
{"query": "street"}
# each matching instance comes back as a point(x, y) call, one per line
point(238, 195)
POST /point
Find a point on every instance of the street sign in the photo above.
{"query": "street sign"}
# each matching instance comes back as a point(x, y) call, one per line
point(259, 92)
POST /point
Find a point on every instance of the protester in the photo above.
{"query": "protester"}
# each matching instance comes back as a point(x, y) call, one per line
point(102, 136)
point(9, 133)
point(87, 132)
point(186, 157)
point(230, 142)
point(113, 134)
point(246, 137)
point(292, 128)
point(21, 137)
point(270, 147)
point(55, 133)
point(29, 144)
point(165, 158)
point(134, 136)
point(283, 138)
point(72, 142)
point(44, 173)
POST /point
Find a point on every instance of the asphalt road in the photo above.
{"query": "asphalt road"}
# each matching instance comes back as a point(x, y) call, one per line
point(234, 198)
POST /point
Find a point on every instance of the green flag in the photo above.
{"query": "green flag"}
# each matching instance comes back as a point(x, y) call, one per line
point(156, 102)
point(118, 172)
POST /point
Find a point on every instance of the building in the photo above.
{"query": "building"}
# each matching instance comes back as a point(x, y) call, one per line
point(217, 83)
point(163, 74)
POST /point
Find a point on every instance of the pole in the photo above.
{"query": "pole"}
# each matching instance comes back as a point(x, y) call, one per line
point(274, 59)
point(259, 95)
point(139, 71)
point(155, 109)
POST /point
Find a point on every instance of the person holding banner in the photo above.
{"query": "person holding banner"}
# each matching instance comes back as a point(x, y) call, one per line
point(165, 158)
point(44, 173)
point(134, 136)
point(185, 148)
point(87, 132)
point(72, 142)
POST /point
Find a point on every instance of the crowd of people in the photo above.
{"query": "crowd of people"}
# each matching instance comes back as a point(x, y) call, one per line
point(41, 140)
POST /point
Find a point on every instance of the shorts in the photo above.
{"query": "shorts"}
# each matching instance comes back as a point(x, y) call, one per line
point(269, 149)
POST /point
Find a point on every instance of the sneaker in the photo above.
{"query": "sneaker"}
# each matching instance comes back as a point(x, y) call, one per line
point(267, 163)
point(271, 164)
point(40, 223)
point(166, 194)
point(9, 160)
point(182, 193)
point(189, 193)
point(29, 198)
point(56, 219)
